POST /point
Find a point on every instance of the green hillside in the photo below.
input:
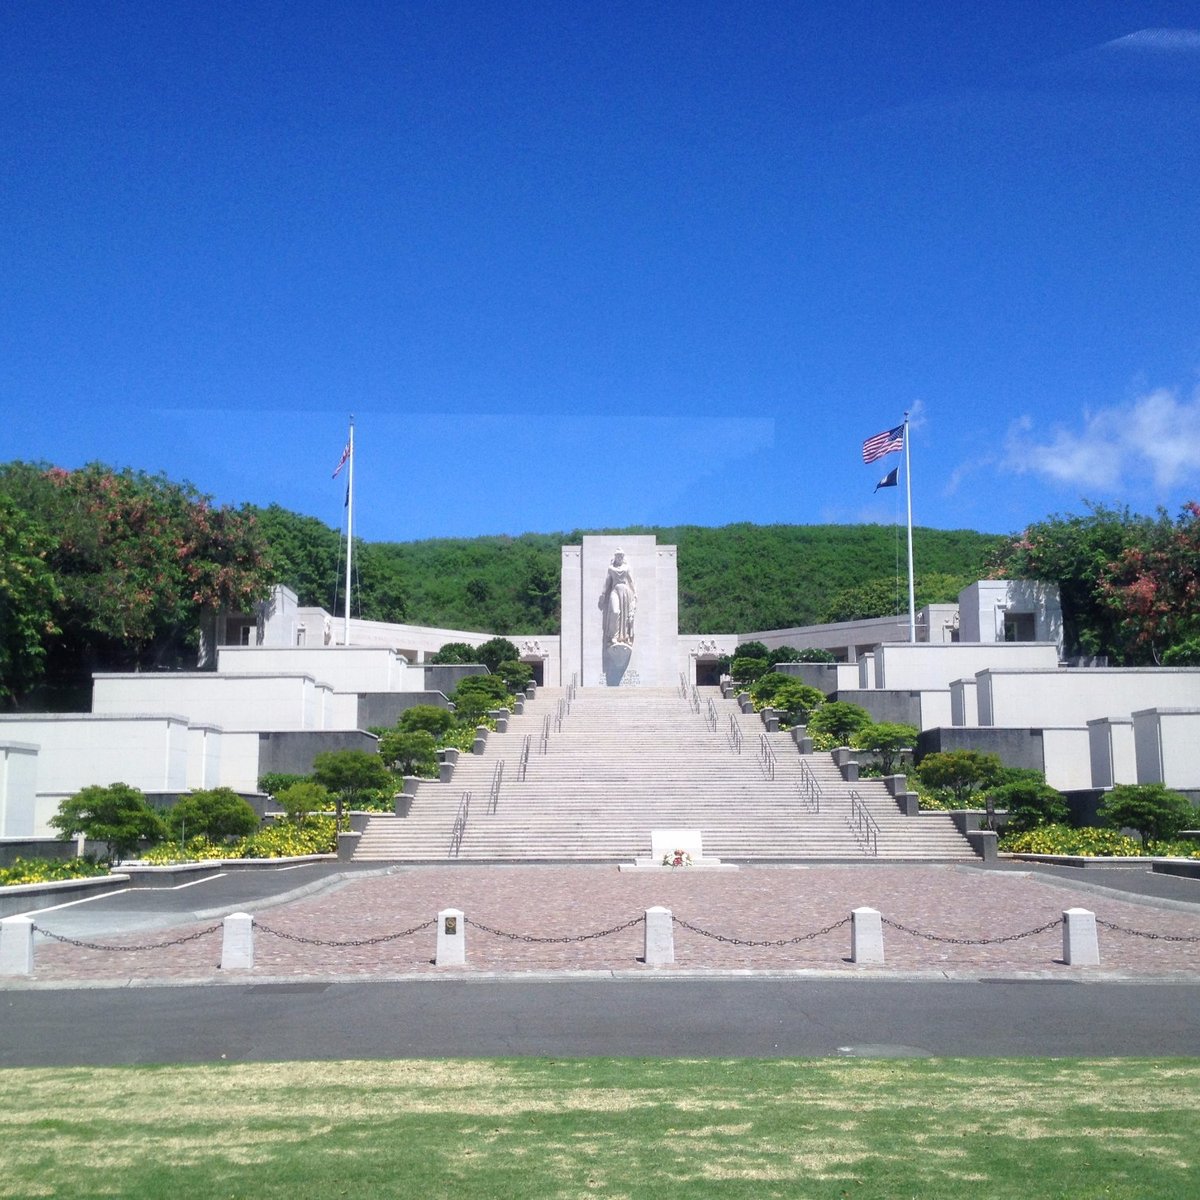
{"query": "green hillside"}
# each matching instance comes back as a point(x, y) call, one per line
point(734, 578)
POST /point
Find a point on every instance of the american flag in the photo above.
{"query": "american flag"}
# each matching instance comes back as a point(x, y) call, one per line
point(342, 461)
point(883, 443)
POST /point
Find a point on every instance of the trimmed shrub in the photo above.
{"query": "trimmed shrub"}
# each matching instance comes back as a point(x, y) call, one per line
point(409, 753)
point(885, 741)
point(432, 718)
point(1151, 808)
point(218, 814)
point(117, 815)
point(747, 670)
point(301, 798)
point(1030, 804)
point(840, 720)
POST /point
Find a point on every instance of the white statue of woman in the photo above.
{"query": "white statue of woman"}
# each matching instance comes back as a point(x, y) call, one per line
point(618, 603)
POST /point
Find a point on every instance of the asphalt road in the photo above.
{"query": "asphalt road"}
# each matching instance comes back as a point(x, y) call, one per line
point(565, 1017)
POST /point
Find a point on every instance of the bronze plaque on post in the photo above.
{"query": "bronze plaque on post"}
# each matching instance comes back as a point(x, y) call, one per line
point(451, 926)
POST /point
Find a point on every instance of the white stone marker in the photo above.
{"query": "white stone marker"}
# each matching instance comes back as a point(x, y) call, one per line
point(16, 946)
point(660, 937)
point(866, 936)
point(1080, 947)
point(237, 942)
point(451, 938)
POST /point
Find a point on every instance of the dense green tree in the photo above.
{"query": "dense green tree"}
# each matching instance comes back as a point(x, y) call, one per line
point(1030, 803)
point(117, 815)
point(1077, 553)
point(889, 597)
point(29, 596)
point(301, 797)
point(410, 753)
point(752, 650)
point(517, 676)
point(496, 651)
point(218, 814)
point(1154, 588)
point(136, 559)
point(455, 653)
point(430, 717)
point(959, 773)
point(747, 670)
point(839, 719)
point(885, 740)
point(1156, 812)
point(476, 695)
point(351, 775)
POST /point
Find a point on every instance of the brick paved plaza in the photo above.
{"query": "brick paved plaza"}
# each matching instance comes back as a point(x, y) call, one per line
point(754, 904)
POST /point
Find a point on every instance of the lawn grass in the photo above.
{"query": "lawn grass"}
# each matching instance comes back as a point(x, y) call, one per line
point(606, 1128)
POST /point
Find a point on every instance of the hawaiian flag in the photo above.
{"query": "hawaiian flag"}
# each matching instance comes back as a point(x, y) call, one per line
point(342, 461)
point(883, 443)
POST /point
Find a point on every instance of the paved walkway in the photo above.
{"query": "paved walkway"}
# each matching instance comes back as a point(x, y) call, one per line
point(755, 904)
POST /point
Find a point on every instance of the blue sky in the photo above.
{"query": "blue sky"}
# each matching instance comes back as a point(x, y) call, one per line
point(586, 265)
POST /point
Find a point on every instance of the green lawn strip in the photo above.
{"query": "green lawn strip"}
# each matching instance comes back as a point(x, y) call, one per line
point(605, 1127)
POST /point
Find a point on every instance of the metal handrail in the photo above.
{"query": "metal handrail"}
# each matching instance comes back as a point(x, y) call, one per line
point(523, 765)
point(494, 793)
point(695, 699)
point(683, 685)
point(545, 739)
point(735, 734)
point(766, 756)
point(713, 719)
point(810, 788)
point(460, 825)
point(559, 714)
point(862, 824)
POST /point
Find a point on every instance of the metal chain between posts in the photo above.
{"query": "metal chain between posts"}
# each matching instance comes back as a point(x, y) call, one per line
point(379, 939)
point(735, 941)
point(1156, 937)
point(529, 937)
point(179, 941)
point(956, 941)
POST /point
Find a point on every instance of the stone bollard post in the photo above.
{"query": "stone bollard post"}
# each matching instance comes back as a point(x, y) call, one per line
point(479, 745)
point(866, 936)
point(1080, 947)
point(347, 843)
point(660, 937)
point(16, 946)
point(445, 772)
point(518, 705)
point(237, 942)
point(451, 938)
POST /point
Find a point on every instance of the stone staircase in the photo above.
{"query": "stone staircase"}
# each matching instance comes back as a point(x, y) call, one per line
point(623, 761)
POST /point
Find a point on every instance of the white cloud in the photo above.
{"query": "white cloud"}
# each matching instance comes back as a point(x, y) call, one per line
point(1158, 435)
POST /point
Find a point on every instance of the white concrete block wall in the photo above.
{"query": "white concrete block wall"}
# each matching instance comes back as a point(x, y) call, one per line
point(912, 667)
point(341, 710)
point(866, 671)
point(935, 708)
point(964, 703)
point(79, 749)
point(1167, 746)
point(984, 605)
point(1076, 696)
point(18, 788)
point(1066, 753)
point(239, 761)
point(203, 757)
point(346, 668)
point(233, 702)
point(1110, 741)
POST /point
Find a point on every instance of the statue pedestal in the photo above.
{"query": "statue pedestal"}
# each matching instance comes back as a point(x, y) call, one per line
point(616, 661)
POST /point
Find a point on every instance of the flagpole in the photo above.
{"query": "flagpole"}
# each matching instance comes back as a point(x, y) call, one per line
point(912, 598)
point(350, 529)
